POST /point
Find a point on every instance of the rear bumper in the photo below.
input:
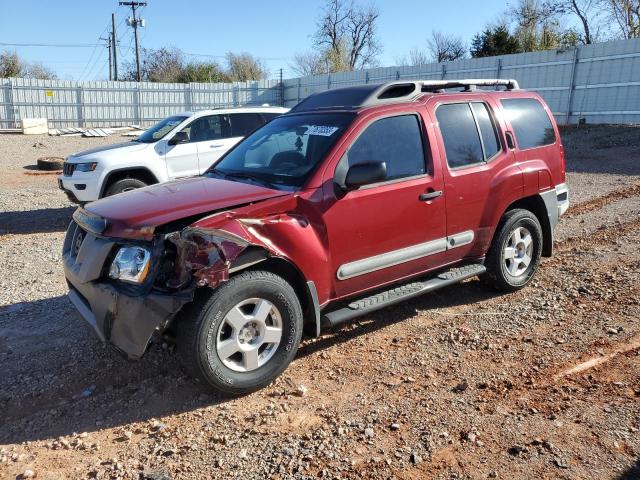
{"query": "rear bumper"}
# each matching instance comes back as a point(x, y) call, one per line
point(124, 317)
point(556, 202)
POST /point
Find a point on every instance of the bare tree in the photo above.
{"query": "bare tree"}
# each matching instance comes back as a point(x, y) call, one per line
point(11, 65)
point(243, 67)
point(587, 13)
point(625, 14)
point(309, 63)
point(446, 48)
point(416, 56)
point(346, 35)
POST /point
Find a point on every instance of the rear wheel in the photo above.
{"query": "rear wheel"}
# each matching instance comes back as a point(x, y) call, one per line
point(124, 185)
point(244, 334)
point(514, 255)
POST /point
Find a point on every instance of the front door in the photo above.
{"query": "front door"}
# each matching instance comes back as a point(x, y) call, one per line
point(389, 230)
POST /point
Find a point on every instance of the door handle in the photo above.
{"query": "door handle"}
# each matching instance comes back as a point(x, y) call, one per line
point(430, 195)
point(217, 145)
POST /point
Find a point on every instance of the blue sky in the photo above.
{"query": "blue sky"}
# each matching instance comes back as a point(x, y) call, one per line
point(274, 30)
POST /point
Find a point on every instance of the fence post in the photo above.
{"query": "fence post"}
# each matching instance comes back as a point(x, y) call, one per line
point(366, 77)
point(13, 108)
point(234, 93)
point(136, 103)
point(80, 105)
point(188, 97)
point(328, 82)
point(572, 83)
point(397, 74)
point(499, 68)
point(444, 71)
point(299, 86)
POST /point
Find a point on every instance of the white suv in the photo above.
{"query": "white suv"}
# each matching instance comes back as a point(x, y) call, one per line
point(183, 145)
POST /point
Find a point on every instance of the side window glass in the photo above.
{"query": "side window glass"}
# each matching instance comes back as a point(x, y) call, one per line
point(487, 128)
point(460, 134)
point(242, 124)
point(397, 141)
point(268, 116)
point(205, 128)
point(530, 122)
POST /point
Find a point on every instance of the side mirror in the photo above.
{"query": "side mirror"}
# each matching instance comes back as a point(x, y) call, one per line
point(180, 137)
point(365, 174)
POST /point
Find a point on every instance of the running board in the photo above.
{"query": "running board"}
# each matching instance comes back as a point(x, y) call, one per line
point(401, 293)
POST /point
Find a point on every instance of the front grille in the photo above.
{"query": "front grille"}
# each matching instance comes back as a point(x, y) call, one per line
point(68, 168)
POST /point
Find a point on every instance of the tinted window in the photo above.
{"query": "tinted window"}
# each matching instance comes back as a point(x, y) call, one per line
point(270, 116)
point(211, 127)
point(530, 122)
point(487, 129)
point(397, 141)
point(460, 134)
point(242, 124)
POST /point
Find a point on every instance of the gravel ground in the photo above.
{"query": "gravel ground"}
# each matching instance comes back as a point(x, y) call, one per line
point(461, 383)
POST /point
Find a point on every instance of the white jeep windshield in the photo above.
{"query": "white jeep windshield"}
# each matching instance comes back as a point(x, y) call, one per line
point(284, 152)
point(160, 129)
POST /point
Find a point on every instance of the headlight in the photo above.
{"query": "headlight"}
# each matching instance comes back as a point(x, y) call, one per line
point(86, 167)
point(130, 265)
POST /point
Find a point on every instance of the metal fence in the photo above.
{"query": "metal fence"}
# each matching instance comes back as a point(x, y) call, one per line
point(598, 83)
point(104, 104)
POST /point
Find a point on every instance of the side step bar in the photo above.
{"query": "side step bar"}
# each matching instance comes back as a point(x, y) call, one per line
point(401, 293)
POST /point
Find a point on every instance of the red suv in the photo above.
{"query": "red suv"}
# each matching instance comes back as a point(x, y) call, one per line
point(357, 199)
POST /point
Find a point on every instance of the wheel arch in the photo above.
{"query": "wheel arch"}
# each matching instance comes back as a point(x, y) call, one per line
point(535, 204)
point(140, 173)
point(258, 258)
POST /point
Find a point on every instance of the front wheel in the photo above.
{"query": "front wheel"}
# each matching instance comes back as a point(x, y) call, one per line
point(243, 335)
point(124, 185)
point(514, 255)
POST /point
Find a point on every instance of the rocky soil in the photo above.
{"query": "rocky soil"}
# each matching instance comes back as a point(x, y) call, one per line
point(461, 383)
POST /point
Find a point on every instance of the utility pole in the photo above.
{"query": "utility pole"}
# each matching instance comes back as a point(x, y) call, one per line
point(113, 45)
point(134, 22)
point(108, 45)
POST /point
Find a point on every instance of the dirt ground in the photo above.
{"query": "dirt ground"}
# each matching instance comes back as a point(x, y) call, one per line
point(461, 383)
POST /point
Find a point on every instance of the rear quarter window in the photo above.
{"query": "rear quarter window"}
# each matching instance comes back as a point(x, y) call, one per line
point(531, 124)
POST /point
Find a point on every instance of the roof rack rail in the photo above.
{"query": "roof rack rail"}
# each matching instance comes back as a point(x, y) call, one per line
point(469, 84)
point(369, 95)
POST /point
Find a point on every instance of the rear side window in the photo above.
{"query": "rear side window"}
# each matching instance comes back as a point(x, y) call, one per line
point(460, 134)
point(487, 129)
point(268, 116)
point(242, 124)
point(530, 122)
point(397, 141)
point(211, 127)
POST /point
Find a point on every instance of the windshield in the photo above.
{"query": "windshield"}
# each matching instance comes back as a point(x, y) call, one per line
point(160, 129)
point(284, 152)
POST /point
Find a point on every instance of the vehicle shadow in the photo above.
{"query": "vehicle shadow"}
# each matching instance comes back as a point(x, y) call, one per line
point(59, 379)
point(632, 473)
point(43, 220)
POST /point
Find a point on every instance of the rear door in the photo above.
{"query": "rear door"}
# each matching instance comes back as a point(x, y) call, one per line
point(480, 172)
point(212, 139)
point(386, 231)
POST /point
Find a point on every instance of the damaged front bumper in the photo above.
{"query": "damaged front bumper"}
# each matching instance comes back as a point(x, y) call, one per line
point(124, 316)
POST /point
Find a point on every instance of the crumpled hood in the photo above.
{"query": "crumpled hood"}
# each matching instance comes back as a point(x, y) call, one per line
point(121, 147)
point(137, 213)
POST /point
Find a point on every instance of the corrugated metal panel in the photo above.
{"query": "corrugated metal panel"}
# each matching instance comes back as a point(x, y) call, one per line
point(598, 82)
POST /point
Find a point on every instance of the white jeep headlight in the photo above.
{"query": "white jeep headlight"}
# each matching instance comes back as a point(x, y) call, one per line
point(130, 265)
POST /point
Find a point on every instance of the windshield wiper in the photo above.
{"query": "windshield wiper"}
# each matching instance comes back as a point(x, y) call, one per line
point(243, 176)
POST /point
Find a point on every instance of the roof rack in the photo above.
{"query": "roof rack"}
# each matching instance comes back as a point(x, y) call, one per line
point(369, 95)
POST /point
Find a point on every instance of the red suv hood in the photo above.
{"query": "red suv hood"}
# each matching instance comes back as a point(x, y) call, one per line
point(135, 214)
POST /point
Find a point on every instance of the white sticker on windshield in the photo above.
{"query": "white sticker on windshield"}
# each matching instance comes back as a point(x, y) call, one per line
point(322, 130)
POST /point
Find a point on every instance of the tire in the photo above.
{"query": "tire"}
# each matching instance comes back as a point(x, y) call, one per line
point(124, 185)
point(212, 319)
point(510, 240)
point(50, 164)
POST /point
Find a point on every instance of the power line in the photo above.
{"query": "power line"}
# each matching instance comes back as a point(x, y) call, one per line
point(61, 45)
